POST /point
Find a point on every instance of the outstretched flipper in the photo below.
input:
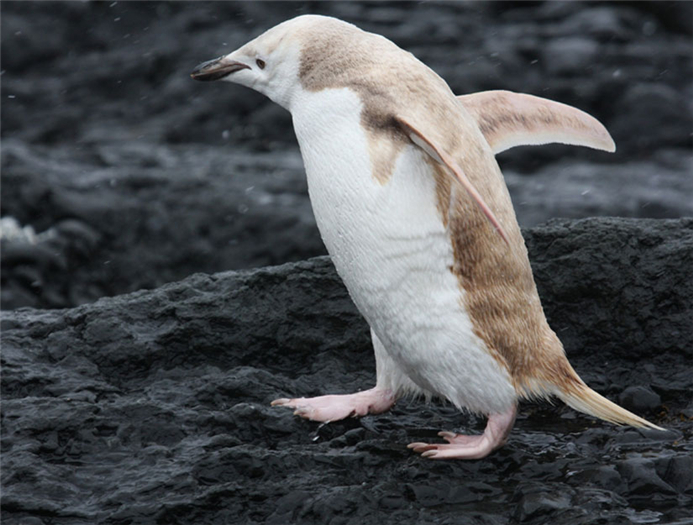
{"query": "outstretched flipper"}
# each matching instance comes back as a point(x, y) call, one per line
point(509, 119)
point(439, 155)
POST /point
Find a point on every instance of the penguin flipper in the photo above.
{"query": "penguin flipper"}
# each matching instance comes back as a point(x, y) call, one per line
point(439, 155)
point(509, 119)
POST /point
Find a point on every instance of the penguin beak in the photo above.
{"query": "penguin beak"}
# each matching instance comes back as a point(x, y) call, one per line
point(216, 69)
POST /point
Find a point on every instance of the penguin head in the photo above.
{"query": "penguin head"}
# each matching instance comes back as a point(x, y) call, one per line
point(271, 63)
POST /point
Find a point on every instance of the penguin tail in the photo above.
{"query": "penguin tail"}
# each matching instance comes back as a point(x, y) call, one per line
point(577, 395)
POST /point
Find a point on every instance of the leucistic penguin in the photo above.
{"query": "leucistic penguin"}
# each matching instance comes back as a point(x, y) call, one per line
point(416, 216)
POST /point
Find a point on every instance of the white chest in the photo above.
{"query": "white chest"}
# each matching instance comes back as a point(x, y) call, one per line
point(390, 246)
point(383, 238)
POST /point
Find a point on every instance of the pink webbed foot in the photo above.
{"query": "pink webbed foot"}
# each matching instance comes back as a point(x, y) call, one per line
point(470, 447)
point(334, 408)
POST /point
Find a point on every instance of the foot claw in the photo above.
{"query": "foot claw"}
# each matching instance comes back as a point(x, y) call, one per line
point(280, 402)
point(447, 436)
point(421, 447)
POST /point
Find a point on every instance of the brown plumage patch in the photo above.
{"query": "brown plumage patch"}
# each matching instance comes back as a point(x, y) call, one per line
point(330, 58)
point(499, 291)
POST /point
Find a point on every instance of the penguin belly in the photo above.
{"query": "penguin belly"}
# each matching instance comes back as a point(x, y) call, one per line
point(391, 248)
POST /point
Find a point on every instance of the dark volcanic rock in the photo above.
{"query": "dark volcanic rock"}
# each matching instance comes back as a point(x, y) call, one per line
point(126, 216)
point(640, 399)
point(153, 407)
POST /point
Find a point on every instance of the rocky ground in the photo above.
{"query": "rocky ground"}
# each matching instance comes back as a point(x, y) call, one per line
point(153, 407)
point(119, 174)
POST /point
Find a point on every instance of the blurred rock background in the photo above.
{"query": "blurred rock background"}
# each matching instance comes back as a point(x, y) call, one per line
point(136, 175)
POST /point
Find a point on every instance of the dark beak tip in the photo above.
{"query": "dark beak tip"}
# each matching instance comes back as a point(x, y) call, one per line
point(214, 70)
point(198, 75)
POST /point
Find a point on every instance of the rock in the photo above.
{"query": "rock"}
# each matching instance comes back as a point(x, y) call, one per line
point(570, 55)
point(535, 502)
point(639, 294)
point(602, 22)
point(669, 115)
point(642, 479)
point(142, 216)
point(153, 407)
point(640, 399)
point(676, 16)
point(650, 189)
point(677, 471)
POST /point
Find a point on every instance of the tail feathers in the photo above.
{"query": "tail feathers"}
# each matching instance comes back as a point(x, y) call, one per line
point(583, 399)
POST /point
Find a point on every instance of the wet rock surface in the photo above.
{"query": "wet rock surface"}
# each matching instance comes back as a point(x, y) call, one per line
point(153, 407)
point(159, 176)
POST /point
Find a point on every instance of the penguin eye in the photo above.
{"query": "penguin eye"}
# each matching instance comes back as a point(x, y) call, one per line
point(260, 63)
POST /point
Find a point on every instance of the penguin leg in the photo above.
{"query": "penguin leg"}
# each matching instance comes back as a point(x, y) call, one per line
point(471, 447)
point(374, 401)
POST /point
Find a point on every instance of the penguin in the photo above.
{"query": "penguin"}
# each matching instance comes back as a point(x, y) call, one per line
point(415, 214)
